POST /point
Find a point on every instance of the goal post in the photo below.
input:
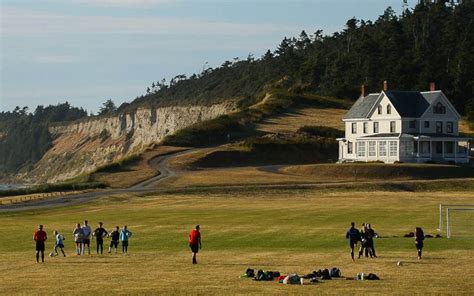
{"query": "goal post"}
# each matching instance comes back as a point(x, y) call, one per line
point(448, 210)
point(442, 206)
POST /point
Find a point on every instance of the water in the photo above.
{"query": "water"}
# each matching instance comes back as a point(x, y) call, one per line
point(10, 186)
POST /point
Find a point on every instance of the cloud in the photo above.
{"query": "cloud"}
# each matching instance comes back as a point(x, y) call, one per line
point(28, 22)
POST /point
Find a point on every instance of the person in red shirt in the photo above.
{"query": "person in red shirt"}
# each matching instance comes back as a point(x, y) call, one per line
point(195, 242)
point(40, 237)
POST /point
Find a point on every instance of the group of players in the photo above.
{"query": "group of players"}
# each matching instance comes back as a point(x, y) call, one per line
point(82, 237)
point(366, 238)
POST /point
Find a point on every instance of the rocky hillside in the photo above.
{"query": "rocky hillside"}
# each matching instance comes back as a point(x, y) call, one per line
point(82, 146)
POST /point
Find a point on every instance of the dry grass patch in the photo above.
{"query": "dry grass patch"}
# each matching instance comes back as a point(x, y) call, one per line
point(313, 116)
point(135, 172)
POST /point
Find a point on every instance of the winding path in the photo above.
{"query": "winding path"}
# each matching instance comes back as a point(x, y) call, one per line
point(160, 164)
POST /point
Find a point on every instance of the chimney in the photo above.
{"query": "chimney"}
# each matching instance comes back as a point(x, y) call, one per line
point(385, 85)
point(362, 91)
point(432, 86)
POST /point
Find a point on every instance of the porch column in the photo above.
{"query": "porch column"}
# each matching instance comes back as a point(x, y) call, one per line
point(455, 149)
point(431, 150)
point(442, 149)
point(418, 150)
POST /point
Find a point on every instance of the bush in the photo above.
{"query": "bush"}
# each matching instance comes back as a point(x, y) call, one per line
point(45, 188)
point(321, 131)
point(119, 164)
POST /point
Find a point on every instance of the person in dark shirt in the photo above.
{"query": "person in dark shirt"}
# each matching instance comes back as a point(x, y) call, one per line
point(114, 235)
point(195, 242)
point(353, 236)
point(40, 237)
point(364, 242)
point(419, 237)
point(371, 236)
point(99, 234)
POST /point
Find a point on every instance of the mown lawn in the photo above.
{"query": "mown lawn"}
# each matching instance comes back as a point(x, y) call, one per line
point(292, 231)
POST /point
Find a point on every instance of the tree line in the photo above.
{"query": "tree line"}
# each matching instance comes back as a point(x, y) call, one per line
point(430, 43)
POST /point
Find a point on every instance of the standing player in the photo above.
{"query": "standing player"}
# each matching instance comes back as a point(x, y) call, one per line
point(99, 234)
point(114, 235)
point(40, 237)
point(86, 229)
point(124, 235)
point(419, 237)
point(59, 243)
point(353, 235)
point(78, 237)
point(195, 242)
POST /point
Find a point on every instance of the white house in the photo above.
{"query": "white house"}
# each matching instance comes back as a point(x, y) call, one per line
point(404, 126)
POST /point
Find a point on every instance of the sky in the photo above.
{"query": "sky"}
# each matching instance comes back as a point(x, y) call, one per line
point(88, 51)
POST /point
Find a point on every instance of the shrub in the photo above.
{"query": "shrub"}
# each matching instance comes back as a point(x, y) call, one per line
point(321, 131)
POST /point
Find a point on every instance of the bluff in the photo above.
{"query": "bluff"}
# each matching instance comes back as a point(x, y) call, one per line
point(81, 147)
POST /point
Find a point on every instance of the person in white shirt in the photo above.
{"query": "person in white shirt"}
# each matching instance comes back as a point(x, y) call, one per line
point(87, 230)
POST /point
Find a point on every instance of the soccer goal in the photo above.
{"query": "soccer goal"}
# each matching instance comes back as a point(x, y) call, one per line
point(443, 206)
point(456, 219)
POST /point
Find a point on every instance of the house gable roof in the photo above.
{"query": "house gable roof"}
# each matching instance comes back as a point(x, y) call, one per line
point(411, 104)
point(408, 103)
point(362, 107)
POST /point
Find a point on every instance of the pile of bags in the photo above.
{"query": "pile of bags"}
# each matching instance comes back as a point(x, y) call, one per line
point(292, 279)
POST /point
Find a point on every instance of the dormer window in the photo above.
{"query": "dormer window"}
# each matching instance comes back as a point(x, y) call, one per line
point(389, 109)
point(439, 109)
point(379, 109)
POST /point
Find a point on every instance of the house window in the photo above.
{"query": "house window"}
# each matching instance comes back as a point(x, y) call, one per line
point(383, 148)
point(439, 127)
point(393, 127)
point(439, 109)
point(366, 127)
point(379, 109)
point(349, 147)
point(376, 127)
point(412, 123)
point(354, 127)
point(449, 127)
point(372, 148)
point(389, 109)
point(427, 124)
point(361, 149)
point(393, 148)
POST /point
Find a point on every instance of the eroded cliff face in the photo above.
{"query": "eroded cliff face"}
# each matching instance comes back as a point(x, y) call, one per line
point(83, 146)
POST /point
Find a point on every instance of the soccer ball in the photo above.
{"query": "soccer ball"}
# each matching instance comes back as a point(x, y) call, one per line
point(52, 254)
point(399, 263)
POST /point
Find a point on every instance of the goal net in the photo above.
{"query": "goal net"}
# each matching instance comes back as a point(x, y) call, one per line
point(459, 222)
point(442, 212)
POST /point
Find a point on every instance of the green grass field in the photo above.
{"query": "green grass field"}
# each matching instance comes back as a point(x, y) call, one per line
point(292, 231)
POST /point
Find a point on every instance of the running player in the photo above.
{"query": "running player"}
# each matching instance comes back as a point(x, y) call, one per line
point(59, 243)
point(353, 235)
point(114, 235)
point(86, 241)
point(419, 237)
point(195, 242)
point(40, 237)
point(99, 234)
point(124, 235)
